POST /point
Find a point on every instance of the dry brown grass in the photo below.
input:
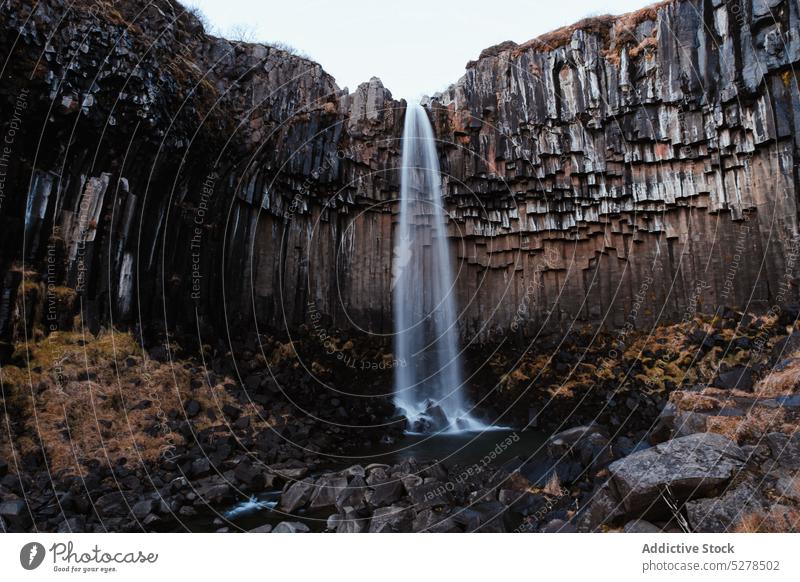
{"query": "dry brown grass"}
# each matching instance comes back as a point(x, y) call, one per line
point(97, 399)
point(780, 383)
point(749, 428)
point(780, 519)
point(561, 36)
point(614, 30)
point(693, 401)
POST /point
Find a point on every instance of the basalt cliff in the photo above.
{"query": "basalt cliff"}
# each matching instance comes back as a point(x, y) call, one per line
point(165, 193)
point(619, 172)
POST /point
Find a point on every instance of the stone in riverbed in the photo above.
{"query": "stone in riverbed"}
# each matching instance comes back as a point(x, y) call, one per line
point(566, 441)
point(691, 466)
point(483, 517)
point(522, 502)
point(250, 475)
point(296, 496)
point(428, 520)
point(348, 522)
point(291, 527)
point(352, 495)
point(583, 447)
point(383, 489)
point(394, 518)
point(213, 490)
point(326, 490)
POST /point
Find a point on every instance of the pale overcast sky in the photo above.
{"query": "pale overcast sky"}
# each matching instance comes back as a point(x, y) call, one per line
point(416, 47)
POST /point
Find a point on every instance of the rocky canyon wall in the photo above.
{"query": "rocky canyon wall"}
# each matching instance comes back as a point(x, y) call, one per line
point(618, 172)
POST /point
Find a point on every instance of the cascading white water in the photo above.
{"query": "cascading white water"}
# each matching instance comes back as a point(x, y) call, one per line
point(429, 383)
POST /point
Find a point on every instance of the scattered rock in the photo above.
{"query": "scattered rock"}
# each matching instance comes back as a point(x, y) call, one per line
point(640, 526)
point(785, 449)
point(740, 378)
point(394, 518)
point(691, 466)
point(721, 514)
point(296, 496)
point(326, 491)
point(251, 476)
point(559, 526)
point(353, 495)
point(192, 408)
point(15, 513)
point(291, 527)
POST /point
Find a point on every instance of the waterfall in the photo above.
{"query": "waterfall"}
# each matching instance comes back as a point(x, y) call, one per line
point(429, 385)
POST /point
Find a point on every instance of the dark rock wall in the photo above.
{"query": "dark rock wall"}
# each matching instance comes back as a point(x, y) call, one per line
point(621, 171)
point(644, 165)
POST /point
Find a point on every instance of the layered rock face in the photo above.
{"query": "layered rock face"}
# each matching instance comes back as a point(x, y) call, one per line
point(619, 172)
point(645, 165)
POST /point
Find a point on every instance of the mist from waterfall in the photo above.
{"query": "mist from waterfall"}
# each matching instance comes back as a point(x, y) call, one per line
point(429, 387)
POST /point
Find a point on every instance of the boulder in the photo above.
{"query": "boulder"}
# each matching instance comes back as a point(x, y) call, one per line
point(559, 526)
point(602, 509)
point(200, 467)
point(487, 517)
point(740, 378)
point(213, 490)
point(112, 504)
point(624, 446)
point(326, 490)
point(785, 449)
point(522, 502)
point(688, 422)
point(16, 515)
point(385, 492)
point(566, 441)
point(431, 494)
point(394, 518)
point(788, 487)
point(249, 475)
point(721, 514)
point(291, 527)
point(143, 508)
point(296, 495)
point(351, 521)
point(353, 495)
point(429, 520)
point(665, 424)
point(75, 524)
point(640, 526)
point(691, 467)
